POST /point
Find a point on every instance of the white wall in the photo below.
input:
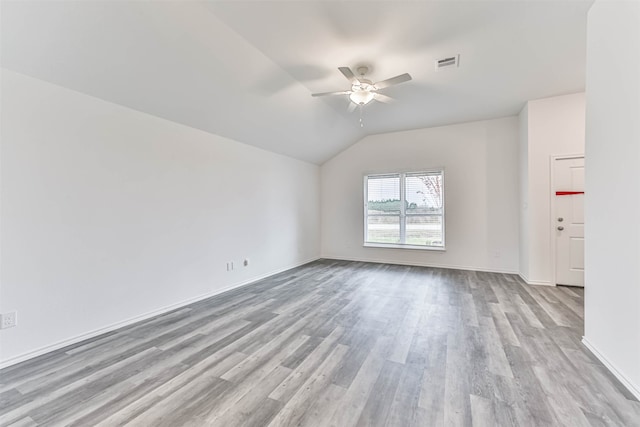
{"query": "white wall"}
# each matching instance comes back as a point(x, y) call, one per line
point(109, 213)
point(481, 193)
point(554, 127)
point(523, 162)
point(612, 210)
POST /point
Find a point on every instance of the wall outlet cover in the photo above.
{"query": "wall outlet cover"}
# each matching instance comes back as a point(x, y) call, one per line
point(8, 320)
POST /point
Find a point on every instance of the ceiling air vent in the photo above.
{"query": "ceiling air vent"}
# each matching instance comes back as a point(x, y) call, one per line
point(448, 62)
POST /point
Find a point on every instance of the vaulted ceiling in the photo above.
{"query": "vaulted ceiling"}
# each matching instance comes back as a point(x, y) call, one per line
point(246, 70)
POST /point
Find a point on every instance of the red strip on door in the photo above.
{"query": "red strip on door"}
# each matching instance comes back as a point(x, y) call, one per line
point(568, 193)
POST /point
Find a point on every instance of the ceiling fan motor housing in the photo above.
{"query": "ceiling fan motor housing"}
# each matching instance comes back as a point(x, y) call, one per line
point(362, 70)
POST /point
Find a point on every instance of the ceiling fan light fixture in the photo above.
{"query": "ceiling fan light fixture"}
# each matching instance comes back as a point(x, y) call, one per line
point(363, 91)
point(361, 97)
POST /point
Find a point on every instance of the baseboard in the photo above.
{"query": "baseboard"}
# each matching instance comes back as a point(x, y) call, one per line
point(534, 282)
point(419, 264)
point(74, 340)
point(633, 388)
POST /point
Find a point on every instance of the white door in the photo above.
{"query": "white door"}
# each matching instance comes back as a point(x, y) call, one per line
point(568, 223)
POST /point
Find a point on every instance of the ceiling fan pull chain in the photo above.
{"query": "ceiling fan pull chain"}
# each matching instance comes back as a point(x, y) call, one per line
point(361, 123)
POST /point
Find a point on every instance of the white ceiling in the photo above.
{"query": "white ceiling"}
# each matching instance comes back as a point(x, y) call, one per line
point(246, 70)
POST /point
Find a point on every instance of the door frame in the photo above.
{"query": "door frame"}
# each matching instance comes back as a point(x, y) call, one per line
point(552, 207)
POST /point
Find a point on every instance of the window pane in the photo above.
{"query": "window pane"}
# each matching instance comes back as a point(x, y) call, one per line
point(424, 230)
point(383, 195)
point(424, 193)
point(383, 229)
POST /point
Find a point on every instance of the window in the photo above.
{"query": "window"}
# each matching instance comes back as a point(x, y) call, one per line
point(404, 210)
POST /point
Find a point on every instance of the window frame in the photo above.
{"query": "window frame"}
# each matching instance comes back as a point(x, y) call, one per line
point(403, 214)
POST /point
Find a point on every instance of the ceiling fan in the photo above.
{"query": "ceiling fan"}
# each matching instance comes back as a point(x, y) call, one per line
point(363, 90)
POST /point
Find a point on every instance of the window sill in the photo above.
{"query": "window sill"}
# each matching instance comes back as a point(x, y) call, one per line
point(397, 246)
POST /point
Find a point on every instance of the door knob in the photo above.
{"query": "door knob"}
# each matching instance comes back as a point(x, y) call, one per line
point(560, 228)
point(560, 219)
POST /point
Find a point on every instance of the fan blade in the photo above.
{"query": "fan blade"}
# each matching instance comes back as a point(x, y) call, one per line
point(393, 81)
point(349, 75)
point(343, 92)
point(352, 107)
point(384, 98)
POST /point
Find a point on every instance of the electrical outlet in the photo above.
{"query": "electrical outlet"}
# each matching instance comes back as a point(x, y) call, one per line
point(246, 262)
point(229, 265)
point(8, 320)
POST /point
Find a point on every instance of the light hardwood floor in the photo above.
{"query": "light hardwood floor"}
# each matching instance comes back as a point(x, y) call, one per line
point(336, 343)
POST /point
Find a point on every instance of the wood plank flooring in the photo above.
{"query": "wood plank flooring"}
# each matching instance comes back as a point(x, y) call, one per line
point(335, 343)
